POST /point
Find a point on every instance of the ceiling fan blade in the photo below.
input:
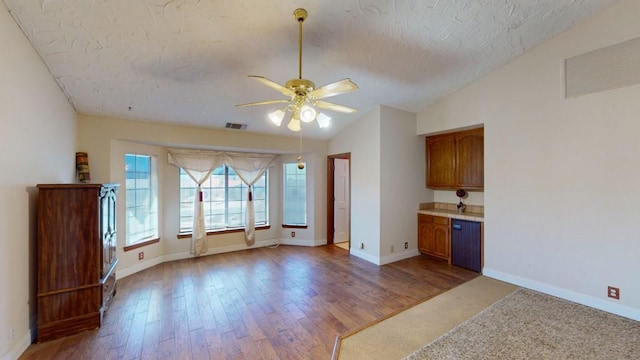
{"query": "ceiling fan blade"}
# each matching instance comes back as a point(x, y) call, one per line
point(264, 103)
point(336, 88)
point(335, 107)
point(274, 85)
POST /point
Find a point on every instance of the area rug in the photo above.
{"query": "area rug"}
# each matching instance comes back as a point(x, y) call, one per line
point(530, 325)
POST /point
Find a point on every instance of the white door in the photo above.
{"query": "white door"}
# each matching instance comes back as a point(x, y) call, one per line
point(341, 211)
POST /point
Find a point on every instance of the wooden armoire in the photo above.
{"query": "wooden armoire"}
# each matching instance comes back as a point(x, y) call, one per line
point(76, 257)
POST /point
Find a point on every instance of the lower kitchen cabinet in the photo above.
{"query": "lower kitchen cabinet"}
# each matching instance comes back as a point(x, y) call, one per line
point(434, 236)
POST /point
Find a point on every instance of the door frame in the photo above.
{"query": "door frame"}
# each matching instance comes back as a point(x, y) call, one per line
point(331, 194)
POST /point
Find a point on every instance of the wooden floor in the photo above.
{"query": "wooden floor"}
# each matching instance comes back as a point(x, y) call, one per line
point(283, 303)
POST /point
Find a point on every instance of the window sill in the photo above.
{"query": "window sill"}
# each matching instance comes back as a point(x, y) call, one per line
point(141, 244)
point(220, 232)
point(286, 226)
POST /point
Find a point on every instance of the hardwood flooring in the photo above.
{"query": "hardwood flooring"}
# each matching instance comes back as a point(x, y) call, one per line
point(282, 303)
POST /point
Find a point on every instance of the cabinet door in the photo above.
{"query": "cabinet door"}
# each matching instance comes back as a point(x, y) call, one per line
point(433, 236)
point(425, 232)
point(441, 241)
point(470, 159)
point(108, 227)
point(440, 153)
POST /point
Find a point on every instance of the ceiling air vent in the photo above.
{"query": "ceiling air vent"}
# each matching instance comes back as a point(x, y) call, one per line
point(236, 126)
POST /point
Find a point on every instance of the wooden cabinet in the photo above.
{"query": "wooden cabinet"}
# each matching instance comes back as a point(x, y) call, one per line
point(470, 159)
point(434, 236)
point(441, 163)
point(76, 257)
point(455, 160)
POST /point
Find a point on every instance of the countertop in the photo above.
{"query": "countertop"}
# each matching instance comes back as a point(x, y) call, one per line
point(454, 214)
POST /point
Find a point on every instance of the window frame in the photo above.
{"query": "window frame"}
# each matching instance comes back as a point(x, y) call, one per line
point(285, 223)
point(153, 196)
point(184, 233)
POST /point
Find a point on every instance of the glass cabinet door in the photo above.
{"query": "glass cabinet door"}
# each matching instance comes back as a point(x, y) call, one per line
point(108, 227)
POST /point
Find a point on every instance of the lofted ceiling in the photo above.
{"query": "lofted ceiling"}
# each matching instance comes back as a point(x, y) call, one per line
point(187, 61)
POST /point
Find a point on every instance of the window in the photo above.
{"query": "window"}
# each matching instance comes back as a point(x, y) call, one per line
point(141, 198)
point(224, 196)
point(295, 195)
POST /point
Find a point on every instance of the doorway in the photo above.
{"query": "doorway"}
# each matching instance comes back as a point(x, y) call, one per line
point(339, 200)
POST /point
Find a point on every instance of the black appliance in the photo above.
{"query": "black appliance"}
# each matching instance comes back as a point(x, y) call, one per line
point(466, 246)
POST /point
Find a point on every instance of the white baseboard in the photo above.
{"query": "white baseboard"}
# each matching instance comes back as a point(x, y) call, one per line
point(601, 304)
point(364, 256)
point(388, 259)
point(20, 347)
point(301, 242)
point(121, 273)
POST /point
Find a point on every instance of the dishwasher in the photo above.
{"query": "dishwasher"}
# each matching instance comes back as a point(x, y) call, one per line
point(466, 244)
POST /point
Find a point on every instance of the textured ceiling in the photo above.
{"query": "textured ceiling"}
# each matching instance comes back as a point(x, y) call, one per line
point(187, 61)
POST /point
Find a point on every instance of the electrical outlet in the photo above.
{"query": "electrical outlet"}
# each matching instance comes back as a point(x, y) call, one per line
point(406, 245)
point(361, 245)
point(12, 335)
point(613, 292)
point(392, 248)
point(293, 234)
point(141, 255)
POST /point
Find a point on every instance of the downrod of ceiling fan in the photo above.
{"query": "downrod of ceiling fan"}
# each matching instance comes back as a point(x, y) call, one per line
point(300, 15)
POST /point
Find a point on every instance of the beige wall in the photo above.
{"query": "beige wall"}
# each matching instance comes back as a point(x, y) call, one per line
point(37, 143)
point(402, 184)
point(362, 140)
point(387, 183)
point(106, 140)
point(561, 175)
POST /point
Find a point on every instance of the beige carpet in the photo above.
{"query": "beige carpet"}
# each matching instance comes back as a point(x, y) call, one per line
point(531, 325)
point(404, 333)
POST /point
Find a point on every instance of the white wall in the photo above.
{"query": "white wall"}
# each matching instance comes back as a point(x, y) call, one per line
point(37, 143)
point(402, 184)
point(449, 196)
point(362, 140)
point(387, 183)
point(106, 140)
point(316, 232)
point(561, 175)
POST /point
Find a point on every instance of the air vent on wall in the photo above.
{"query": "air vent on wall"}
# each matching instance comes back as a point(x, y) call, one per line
point(608, 68)
point(236, 126)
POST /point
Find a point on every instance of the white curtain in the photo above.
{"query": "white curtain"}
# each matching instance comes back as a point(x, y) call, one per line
point(249, 168)
point(198, 164)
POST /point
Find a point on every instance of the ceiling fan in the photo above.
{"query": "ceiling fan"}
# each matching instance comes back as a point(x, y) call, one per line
point(303, 96)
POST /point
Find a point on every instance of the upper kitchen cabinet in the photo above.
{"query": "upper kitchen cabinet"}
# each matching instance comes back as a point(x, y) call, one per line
point(456, 160)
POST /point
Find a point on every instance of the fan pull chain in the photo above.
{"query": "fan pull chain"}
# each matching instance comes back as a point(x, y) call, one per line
point(300, 163)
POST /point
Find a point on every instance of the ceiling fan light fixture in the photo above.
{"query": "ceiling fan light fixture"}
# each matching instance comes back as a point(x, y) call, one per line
point(304, 99)
point(276, 117)
point(307, 113)
point(323, 120)
point(294, 124)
